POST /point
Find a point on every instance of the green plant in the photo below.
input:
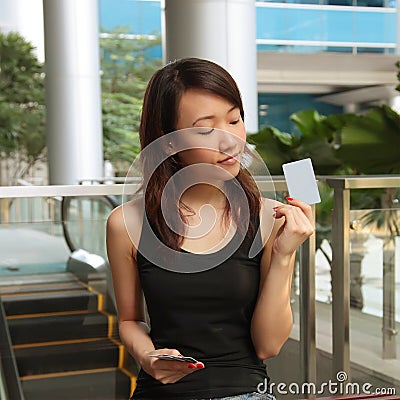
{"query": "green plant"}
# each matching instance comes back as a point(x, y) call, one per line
point(370, 142)
point(337, 144)
point(315, 137)
point(126, 68)
point(22, 109)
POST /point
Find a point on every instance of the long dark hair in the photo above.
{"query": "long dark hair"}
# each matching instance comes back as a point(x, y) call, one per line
point(159, 117)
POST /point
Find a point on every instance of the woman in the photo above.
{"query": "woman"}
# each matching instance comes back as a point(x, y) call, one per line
point(235, 311)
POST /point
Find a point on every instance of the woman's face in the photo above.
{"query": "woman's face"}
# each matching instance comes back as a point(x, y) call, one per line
point(217, 133)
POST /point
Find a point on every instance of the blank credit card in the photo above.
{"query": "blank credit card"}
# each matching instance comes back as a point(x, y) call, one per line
point(301, 182)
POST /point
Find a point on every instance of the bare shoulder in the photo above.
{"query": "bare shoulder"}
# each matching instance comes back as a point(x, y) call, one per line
point(115, 219)
point(118, 214)
point(125, 222)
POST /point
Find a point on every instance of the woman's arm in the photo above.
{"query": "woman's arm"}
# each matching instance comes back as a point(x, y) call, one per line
point(128, 294)
point(133, 329)
point(272, 318)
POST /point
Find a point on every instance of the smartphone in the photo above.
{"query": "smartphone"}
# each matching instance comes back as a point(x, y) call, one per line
point(175, 358)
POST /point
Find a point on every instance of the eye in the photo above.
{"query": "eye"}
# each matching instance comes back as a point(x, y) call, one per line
point(235, 122)
point(205, 131)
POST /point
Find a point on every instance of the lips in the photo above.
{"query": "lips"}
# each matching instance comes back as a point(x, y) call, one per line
point(230, 159)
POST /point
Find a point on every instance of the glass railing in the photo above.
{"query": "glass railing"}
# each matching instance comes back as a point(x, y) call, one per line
point(365, 247)
point(81, 217)
point(31, 235)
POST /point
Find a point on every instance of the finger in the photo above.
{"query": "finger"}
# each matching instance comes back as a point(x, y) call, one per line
point(306, 208)
point(166, 350)
point(169, 352)
point(171, 365)
point(289, 213)
point(295, 220)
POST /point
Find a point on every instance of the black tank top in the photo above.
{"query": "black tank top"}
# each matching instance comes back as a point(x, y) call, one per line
point(205, 315)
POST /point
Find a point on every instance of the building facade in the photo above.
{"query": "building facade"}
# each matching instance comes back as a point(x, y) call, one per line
point(329, 55)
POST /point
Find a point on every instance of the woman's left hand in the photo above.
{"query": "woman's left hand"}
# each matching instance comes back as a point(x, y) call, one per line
point(298, 225)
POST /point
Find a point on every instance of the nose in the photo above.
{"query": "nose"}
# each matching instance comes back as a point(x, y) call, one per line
point(228, 142)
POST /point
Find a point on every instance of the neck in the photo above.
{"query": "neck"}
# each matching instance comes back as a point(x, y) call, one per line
point(202, 193)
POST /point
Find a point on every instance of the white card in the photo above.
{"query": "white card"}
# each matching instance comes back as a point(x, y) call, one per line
point(301, 182)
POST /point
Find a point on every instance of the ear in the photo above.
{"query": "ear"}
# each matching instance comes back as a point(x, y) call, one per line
point(169, 148)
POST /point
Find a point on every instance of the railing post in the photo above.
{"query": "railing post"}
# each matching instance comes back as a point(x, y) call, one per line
point(4, 210)
point(389, 331)
point(308, 363)
point(341, 281)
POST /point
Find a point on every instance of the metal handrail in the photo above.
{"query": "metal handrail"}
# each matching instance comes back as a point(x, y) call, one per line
point(64, 190)
point(65, 205)
point(95, 190)
point(361, 182)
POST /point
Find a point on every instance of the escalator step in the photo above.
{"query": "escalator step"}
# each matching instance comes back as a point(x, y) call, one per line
point(63, 341)
point(102, 384)
point(49, 328)
point(35, 303)
point(38, 279)
point(67, 356)
point(40, 287)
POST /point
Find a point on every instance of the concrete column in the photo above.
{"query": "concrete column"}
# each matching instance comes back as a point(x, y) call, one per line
point(73, 99)
point(223, 31)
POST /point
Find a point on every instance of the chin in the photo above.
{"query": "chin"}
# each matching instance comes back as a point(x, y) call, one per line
point(230, 172)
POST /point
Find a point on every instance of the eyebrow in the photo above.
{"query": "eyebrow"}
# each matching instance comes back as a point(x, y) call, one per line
point(212, 116)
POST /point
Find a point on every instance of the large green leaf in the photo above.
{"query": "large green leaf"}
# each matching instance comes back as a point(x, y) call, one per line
point(309, 123)
point(274, 147)
point(317, 140)
point(370, 143)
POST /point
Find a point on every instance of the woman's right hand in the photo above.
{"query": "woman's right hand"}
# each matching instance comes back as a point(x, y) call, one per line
point(167, 371)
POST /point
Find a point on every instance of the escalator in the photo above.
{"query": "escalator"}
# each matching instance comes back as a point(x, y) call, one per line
point(63, 327)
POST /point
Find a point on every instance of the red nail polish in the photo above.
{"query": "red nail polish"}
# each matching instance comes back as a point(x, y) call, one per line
point(275, 208)
point(191, 366)
point(180, 355)
point(289, 198)
point(200, 365)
